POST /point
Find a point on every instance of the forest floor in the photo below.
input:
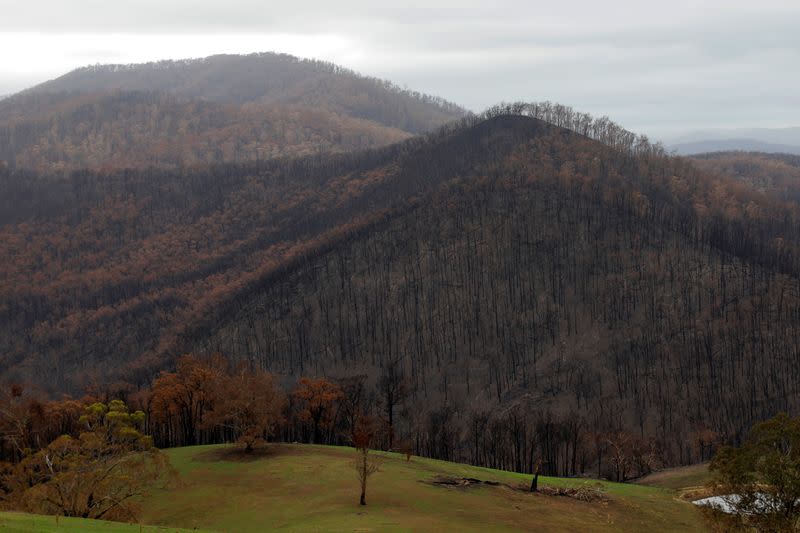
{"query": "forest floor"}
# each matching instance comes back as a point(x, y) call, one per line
point(314, 488)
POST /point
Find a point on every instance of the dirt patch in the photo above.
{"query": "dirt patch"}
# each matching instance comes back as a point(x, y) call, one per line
point(238, 454)
point(460, 482)
point(691, 494)
point(585, 494)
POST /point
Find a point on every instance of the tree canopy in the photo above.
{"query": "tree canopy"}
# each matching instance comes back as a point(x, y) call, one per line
point(762, 476)
point(94, 475)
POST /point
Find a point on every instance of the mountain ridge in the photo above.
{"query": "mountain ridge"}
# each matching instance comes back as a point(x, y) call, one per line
point(726, 145)
point(257, 76)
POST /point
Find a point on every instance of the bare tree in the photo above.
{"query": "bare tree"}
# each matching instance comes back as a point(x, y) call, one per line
point(393, 391)
point(364, 464)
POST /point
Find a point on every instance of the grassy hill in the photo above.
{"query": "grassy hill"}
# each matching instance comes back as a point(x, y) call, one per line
point(313, 488)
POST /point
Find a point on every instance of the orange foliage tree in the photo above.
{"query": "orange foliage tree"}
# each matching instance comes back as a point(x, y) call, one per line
point(317, 400)
point(248, 404)
point(183, 397)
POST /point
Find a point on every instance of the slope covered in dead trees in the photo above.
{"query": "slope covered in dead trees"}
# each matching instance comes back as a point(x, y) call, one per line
point(773, 174)
point(531, 286)
point(135, 129)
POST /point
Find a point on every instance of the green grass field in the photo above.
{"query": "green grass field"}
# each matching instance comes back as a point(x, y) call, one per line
point(684, 479)
point(314, 488)
point(29, 523)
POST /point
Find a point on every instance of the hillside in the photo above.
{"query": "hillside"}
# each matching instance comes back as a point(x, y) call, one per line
point(267, 78)
point(277, 491)
point(534, 278)
point(211, 110)
point(162, 251)
point(773, 174)
point(137, 129)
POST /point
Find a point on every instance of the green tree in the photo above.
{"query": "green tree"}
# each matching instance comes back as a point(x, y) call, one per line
point(763, 475)
point(94, 475)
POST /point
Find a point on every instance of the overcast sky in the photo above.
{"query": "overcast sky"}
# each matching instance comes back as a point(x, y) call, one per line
point(655, 67)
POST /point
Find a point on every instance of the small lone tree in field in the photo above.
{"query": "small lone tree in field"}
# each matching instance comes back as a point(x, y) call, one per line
point(364, 464)
point(537, 465)
point(763, 475)
point(406, 449)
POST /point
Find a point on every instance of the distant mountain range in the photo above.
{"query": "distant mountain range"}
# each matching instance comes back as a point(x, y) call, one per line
point(778, 140)
point(728, 145)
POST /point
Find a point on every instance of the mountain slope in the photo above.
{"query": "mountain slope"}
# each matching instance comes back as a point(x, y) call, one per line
point(217, 109)
point(514, 270)
point(268, 78)
point(159, 250)
point(134, 129)
point(531, 291)
point(774, 174)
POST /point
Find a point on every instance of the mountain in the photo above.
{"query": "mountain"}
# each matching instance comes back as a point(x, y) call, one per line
point(217, 109)
point(530, 263)
point(727, 145)
point(267, 78)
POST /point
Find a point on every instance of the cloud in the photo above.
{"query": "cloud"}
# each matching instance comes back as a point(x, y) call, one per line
point(652, 66)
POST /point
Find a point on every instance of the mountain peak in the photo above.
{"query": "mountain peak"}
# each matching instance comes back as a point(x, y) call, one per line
point(267, 77)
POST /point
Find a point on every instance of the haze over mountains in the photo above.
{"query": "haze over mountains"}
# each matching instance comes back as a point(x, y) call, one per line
point(530, 265)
